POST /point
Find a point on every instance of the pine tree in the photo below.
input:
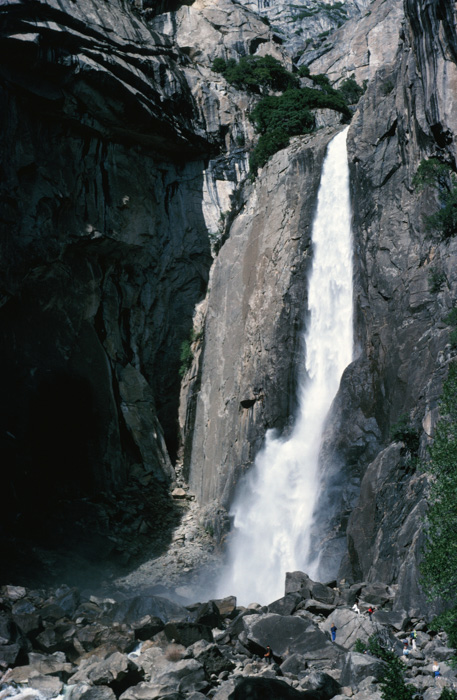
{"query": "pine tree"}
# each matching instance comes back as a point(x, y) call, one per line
point(439, 567)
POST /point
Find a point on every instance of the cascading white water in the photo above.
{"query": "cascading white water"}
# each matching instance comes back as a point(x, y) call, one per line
point(274, 505)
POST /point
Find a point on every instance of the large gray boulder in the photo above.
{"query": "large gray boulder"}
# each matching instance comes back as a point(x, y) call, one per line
point(321, 684)
point(286, 605)
point(350, 627)
point(183, 676)
point(133, 610)
point(357, 666)
point(264, 689)
point(187, 633)
point(115, 669)
point(288, 635)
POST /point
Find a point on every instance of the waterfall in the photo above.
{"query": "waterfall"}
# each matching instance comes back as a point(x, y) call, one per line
point(274, 504)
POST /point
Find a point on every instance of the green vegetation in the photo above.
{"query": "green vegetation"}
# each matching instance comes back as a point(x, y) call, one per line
point(278, 117)
point(436, 281)
point(351, 90)
point(255, 73)
point(440, 177)
point(451, 320)
point(448, 694)
point(186, 355)
point(439, 566)
point(391, 679)
point(360, 646)
point(404, 431)
point(387, 87)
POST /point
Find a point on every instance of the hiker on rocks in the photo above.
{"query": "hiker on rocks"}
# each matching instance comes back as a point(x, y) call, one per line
point(269, 655)
point(436, 669)
point(370, 612)
point(413, 637)
point(333, 629)
point(405, 650)
point(356, 608)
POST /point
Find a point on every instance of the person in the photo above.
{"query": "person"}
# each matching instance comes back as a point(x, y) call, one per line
point(370, 611)
point(269, 655)
point(436, 669)
point(405, 650)
point(413, 637)
point(356, 608)
point(333, 629)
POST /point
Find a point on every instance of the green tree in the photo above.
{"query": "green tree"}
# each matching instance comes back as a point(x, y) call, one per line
point(439, 565)
point(391, 678)
point(351, 90)
point(433, 173)
point(255, 73)
point(278, 117)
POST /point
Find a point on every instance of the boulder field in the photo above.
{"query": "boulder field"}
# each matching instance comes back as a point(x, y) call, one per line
point(69, 643)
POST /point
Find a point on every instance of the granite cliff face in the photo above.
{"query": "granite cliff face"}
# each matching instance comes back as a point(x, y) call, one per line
point(123, 161)
point(109, 196)
point(372, 500)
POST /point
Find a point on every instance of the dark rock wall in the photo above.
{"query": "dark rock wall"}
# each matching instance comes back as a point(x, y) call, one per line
point(104, 249)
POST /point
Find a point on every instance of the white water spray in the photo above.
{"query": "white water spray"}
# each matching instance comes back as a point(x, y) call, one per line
point(274, 505)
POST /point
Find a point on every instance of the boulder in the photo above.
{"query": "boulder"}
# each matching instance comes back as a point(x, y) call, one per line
point(134, 609)
point(48, 686)
point(225, 690)
point(226, 606)
point(288, 635)
point(376, 594)
point(25, 614)
point(397, 619)
point(322, 593)
point(151, 661)
point(101, 671)
point(348, 596)
point(181, 677)
point(351, 626)
point(68, 599)
point(208, 614)
point(147, 627)
point(237, 626)
point(13, 592)
point(187, 633)
point(286, 605)
point(295, 665)
point(54, 664)
point(13, 643)
point(264, 689)
point(357, 666)
point(82, 691)
point(298, 582)
point(320, 684)
point(213, 660)
point(443, 653)
point(317, 608)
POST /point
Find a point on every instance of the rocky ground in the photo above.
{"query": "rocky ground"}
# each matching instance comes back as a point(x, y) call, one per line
point(65, 643)
point(147, 537)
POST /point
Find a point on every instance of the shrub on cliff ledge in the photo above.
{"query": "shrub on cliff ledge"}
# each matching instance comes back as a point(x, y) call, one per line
point(255, 73)
point(277, 118)
point(440, 177)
